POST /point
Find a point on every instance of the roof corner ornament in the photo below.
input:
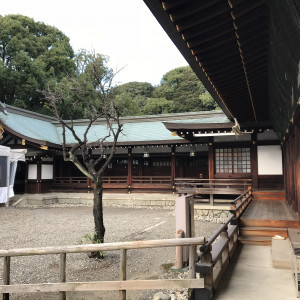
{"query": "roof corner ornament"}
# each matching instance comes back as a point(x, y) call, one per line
point(236, 127)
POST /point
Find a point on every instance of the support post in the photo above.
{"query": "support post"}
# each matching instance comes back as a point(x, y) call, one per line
point(62, 273)
point(6, 275)
point(173, 169)
point(129, 175)
point(254, 163)
point(122, 293)
point(211, 160)
point(297, 168)
point(192, 261)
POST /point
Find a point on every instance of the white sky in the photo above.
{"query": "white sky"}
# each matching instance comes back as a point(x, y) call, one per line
point(125, 30)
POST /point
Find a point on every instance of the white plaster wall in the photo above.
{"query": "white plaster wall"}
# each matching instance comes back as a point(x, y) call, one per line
point(47, 171)
point(269, 160)
point(32, 171)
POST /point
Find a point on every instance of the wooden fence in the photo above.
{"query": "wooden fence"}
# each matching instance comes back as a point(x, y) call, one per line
point(115, 183)
point(122, 285)
point(212, 187)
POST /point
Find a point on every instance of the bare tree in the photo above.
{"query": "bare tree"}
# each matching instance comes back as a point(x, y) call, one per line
point(88, 94)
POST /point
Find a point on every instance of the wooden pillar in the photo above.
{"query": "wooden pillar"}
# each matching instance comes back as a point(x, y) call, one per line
point(173, 167)
point(254, 164)
point(211, 168)
point(287, 168)
point(297, 168)
point(39, 176)
point(129, 175)
point(291, 170)
point(26, 178)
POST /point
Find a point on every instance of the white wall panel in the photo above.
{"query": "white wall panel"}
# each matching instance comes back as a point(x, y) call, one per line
point(269, 160)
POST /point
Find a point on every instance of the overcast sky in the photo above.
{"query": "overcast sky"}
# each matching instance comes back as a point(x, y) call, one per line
point(125, 30)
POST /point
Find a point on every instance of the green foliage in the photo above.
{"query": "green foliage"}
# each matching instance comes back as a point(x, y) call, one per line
point(136, 91)
point(180, 91)
point(155, 106)
point(31, 54)
point(126, 105)
point(86, 92)
point(184, 88)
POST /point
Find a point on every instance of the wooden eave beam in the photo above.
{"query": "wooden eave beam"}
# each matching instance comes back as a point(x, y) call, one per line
point(228, 37)
point(171, 4)
point(191, 8)
point(247, 7)
point(205, 28)
point(210, 36)
point(228, 48)
point(203, 16)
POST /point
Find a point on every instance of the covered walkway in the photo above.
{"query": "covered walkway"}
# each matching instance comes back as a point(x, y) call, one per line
point(251, 275)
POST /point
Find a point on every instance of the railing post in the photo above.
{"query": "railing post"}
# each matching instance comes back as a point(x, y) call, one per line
point(62, 273)
point(192, 261)
point(6, 275)
point(122, 293)
point(207, 267)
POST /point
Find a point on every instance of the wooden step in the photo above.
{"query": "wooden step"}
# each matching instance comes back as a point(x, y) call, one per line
point(263, 231)
point(269, 195)
point(255, 240)
point(268, 223)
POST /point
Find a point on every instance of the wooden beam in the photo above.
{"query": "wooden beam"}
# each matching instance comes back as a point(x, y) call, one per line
point(104, 286)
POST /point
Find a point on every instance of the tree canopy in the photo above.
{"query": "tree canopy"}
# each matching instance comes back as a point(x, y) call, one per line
point(180, 91)
point(32, 53)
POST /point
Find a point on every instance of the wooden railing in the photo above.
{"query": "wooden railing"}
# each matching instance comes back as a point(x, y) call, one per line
point(239, 205)
point(212, 187)
point(122, 285)
point(70, 180)
point(216, 254)
point(151, 180)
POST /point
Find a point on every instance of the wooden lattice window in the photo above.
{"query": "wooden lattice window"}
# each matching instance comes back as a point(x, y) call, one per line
point(233, 160)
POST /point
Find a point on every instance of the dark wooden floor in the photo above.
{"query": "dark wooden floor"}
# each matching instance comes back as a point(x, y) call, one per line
point(269, 210)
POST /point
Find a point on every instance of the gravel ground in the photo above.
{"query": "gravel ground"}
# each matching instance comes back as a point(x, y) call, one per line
point(67, 225)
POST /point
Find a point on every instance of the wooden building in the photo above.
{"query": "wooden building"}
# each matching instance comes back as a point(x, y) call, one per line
point(152, 151)
point(247, 55)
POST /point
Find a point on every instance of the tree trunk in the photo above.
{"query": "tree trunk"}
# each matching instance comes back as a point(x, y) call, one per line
point(98, 216)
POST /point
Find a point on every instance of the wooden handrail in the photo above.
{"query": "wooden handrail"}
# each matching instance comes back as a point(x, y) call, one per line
point(121, 285)
point(239, 197)
point(103, 247)
point(216, 234)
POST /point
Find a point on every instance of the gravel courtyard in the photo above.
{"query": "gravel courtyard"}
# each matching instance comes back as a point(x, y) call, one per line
point(67, 225)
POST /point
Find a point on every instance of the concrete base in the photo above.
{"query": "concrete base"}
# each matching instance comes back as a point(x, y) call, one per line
point(281, 254)
point(251, 275)
point(138, 199)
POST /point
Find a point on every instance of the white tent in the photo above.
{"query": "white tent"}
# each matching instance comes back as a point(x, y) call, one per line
point(8, 165)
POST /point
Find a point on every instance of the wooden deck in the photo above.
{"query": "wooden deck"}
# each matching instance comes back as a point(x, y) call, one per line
point(269, 213)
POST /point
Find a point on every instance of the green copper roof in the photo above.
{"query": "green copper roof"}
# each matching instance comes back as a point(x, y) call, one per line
point(44, 129)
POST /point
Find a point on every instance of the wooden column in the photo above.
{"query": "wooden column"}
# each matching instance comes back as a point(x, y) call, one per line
point(254, 164)
point(129, 176)
point(287, 169)
point(173, 167)
point(39, 176)
point(297, 168)
point(26, 178)
point(291, 171)
point(211, 168)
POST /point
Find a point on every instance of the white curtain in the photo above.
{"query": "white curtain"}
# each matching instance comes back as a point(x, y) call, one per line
point(13, 169)
point(3, 194)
